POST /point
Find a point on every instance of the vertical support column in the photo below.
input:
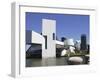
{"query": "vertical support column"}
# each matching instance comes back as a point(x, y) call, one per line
point(49, 33)
point(15, 69)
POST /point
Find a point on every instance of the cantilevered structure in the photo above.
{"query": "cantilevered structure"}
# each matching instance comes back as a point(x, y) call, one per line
point(47, 39)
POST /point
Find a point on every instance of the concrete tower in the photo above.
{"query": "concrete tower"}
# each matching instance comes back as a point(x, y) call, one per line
point(49, 33)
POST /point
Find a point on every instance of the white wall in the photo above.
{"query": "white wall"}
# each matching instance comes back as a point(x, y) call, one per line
point(59, 42)
point(48, 28)
point(34, 37)
point(5, 41)
point(37, 38)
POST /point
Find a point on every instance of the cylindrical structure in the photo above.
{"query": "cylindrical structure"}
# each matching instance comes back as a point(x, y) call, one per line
point(69, 42)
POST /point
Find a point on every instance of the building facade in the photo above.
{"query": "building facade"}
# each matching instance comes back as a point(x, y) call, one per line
point(83, 42)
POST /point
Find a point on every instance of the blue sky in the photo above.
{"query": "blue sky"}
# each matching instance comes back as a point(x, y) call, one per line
point(67, 25)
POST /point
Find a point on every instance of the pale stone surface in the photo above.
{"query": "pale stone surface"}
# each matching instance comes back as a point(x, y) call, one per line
point(76, 59)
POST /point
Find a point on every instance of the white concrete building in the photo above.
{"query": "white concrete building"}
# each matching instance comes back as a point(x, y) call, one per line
point(49, 33)
point(35, 38)
point(47, 39)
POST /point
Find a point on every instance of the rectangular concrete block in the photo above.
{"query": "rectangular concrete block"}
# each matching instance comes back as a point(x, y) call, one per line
point(49, 30)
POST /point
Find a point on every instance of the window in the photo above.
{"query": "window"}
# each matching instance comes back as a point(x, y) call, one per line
point(45, 41)
point(53, 36)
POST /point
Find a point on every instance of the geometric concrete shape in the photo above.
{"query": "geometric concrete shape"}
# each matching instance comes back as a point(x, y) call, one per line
point(34, 37)
point(49, 33)
point(59, 42)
